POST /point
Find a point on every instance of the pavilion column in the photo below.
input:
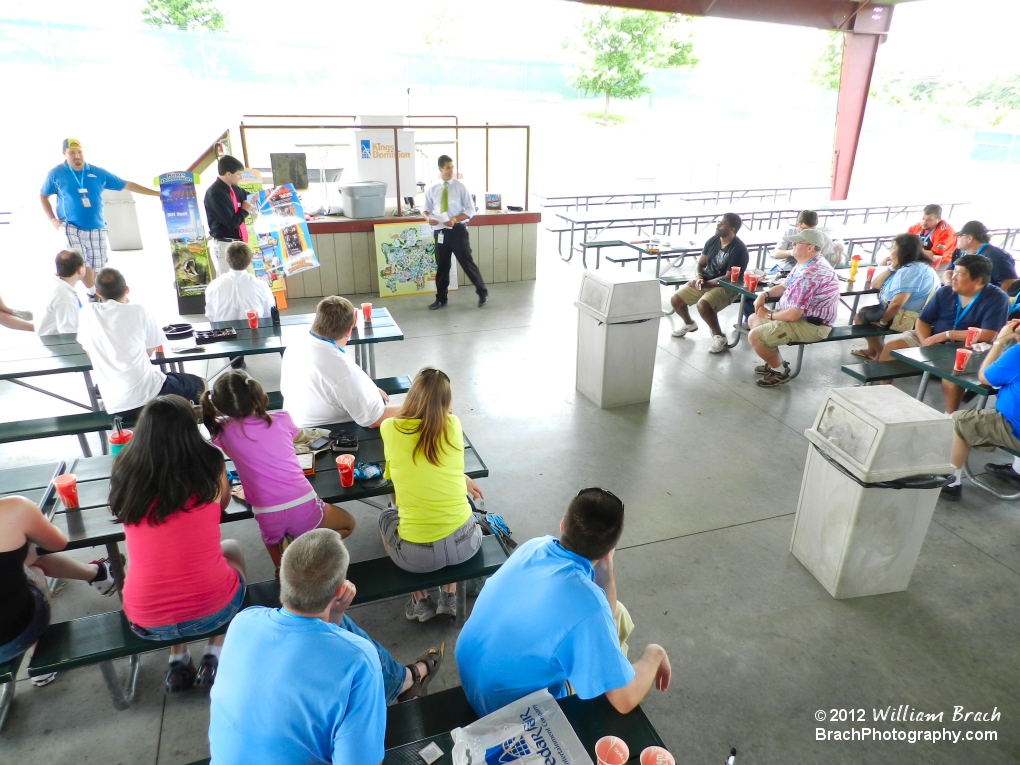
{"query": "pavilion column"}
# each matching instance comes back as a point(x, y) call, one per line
point(867, 30)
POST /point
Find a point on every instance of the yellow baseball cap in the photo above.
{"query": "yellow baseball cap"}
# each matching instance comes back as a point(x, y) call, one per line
point(72, 143)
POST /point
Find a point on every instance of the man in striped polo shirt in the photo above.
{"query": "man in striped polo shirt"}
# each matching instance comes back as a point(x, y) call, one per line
point(805, 313)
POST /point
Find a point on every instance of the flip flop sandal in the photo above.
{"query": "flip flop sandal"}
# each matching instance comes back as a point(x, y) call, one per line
point(862, 354)
point(432, 658)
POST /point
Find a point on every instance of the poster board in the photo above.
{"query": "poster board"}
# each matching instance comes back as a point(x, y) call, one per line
point(251, 181)
point(281, 234)
point(405, 256)
point(188, 246)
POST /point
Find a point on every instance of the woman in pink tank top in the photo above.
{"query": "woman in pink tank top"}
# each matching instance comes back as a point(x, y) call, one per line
point(168, 487)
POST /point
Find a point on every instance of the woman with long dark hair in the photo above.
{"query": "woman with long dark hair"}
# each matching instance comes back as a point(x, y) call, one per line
point(432, 524)
point(168, 488)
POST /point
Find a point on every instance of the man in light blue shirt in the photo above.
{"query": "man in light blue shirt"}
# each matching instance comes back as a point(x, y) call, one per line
point(79, 187)
point(549, 618)
point(302, 683)
point(448, 207)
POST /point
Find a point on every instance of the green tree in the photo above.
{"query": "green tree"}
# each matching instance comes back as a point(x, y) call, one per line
point(183, 14)
point(620, 47)
point(829, 65)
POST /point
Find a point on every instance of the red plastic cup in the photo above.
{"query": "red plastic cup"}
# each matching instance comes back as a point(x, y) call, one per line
point(366, 310)
point(752, 282)
point(253, 318)
point(656, 755)
point(345, 467)
point(610, 750)
point(870, 275)
point(962, 357)
point(118, 440)
point(734, 273)
point(67, 489)
point(972, 333)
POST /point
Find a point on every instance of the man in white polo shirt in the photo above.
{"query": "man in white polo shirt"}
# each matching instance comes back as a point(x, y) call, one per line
point(320, 381)
point(59, 316)
point(119, 337)
point(229, 297)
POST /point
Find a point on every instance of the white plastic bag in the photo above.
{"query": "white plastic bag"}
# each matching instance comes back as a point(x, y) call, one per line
point(531, 731)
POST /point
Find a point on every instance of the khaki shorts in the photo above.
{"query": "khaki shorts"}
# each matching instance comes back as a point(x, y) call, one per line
point(776, 333)
point(717, 297)
point(910, 338)
point(984, 429)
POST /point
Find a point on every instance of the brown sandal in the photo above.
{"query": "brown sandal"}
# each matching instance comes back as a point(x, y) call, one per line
point(432, 658)
point(863, 354)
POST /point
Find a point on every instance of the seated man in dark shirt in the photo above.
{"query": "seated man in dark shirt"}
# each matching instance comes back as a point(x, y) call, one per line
point(721, 252)
point(970, 301)
point(973, 239)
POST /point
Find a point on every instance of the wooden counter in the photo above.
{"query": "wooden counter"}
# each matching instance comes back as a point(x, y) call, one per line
point(503, 244)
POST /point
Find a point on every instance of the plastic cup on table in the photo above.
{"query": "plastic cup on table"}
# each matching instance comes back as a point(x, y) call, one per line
point(734, 273)
point(610, 750)
point(962, 357)
point(253, 318)
point(345, 467)
point(752, 282)
point(366, 310)
point(870, 275)
point(972, 333)
point(656, 755)
point(67, 489)
point(118, 441)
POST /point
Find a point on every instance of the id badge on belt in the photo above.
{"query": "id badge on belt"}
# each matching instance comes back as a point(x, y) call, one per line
point(439, 239)
point(84, 198)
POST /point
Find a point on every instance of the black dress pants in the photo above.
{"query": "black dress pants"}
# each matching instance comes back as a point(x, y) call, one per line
point(457, 243)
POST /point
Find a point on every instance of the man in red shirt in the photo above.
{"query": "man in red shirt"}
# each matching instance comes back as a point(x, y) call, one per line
point(937, 236)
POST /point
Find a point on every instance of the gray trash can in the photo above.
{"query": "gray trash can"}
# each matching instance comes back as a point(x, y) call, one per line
point(121, 220)
point(364, 199)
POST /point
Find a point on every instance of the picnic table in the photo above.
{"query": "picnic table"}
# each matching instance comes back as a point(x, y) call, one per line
point(653, 198)
point(938, 361)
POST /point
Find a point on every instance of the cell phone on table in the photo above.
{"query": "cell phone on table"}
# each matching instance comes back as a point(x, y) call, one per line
point(188, 349)
point(319, 443)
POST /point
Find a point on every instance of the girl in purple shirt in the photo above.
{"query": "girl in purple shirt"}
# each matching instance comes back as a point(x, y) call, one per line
point(262, 448)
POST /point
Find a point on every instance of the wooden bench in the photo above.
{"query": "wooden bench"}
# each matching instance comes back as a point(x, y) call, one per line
point(879, 371)
point(851, 332)
point(94, 422)
point(102, 638)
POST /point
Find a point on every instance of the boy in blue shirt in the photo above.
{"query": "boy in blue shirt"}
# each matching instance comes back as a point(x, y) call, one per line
point(985, 427)
point(79, 187)
point(569, 632)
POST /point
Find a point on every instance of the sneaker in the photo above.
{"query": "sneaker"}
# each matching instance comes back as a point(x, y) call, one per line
point(206, 671)
point(482, 299)
point(180, 676)
point(42, 680)
point(773, 378)
point(1004, 471)
point(24, 315)
point(421, 611)
point(718, 344)
point(764, 369)
point(436, 306)
point(952, 493)
point(447, 604)
point(238, 363)
point(683, 330)
point(104, 581)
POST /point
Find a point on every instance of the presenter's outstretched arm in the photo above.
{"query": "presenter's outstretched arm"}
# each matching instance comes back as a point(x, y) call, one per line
point(134, 187)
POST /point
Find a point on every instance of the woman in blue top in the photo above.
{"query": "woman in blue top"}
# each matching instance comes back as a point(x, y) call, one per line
point(907, 285)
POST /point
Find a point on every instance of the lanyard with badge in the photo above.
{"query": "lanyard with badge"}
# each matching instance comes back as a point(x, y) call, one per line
point(82, 191)
point(327, 340)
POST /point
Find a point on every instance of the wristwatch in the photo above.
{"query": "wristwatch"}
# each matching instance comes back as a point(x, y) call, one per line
point(885, 324)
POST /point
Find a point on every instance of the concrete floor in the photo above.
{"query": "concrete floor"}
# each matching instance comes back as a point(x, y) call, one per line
point(710, 472)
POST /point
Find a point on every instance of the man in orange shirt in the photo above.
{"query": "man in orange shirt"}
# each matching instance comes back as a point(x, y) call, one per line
point(937, 236)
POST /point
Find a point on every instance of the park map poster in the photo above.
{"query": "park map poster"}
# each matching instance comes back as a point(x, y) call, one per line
point(281, 232)
point(187, 234)
point(405, 255)
point(251, 181)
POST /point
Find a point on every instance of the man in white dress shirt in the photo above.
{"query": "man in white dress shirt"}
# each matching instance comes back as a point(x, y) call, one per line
point(448, 207)
point(229, 297)
point(60, 314)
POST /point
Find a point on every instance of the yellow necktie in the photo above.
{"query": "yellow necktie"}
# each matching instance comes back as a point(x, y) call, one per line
point(444, 200)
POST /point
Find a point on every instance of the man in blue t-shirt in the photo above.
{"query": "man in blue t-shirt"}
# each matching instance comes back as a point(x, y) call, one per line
point(970, 301)
point(79, 187)
point(986, 427)
point(549, 618)
point(302, 683)
point(973, 239)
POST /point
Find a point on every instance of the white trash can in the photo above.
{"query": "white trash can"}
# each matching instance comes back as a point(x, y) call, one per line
point(121, 220)
point(617, 330)
point(877, 461)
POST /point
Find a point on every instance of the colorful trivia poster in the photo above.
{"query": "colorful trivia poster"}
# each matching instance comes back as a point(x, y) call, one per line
point(405, 255)
point(281, 233)
point(187, 234)
point(251, 181)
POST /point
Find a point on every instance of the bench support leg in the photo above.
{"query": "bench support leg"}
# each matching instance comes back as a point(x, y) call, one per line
point(987, 487)
point(800, 360)
point(923, 387)
point(6, 697)
point(122, 695)
point(84, 442)
point(461, 603)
